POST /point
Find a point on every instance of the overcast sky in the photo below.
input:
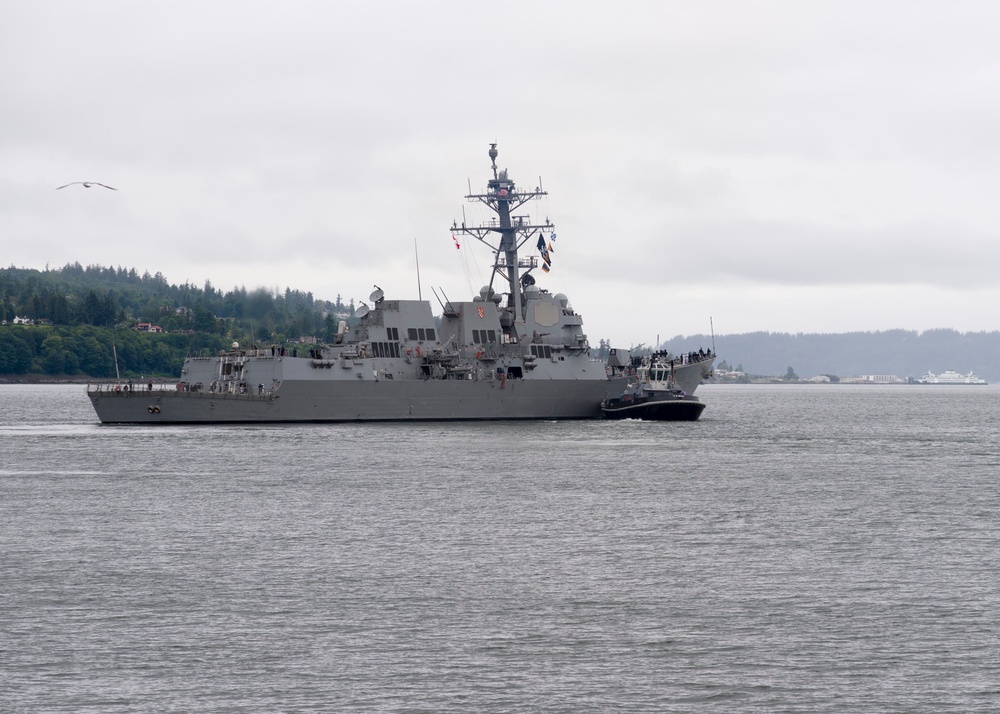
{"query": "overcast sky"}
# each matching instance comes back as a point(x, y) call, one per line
point(776, 166)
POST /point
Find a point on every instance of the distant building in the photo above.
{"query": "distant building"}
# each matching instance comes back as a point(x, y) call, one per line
point(882, 379)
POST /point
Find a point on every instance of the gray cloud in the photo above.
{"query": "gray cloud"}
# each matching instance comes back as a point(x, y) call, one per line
point(711, 147)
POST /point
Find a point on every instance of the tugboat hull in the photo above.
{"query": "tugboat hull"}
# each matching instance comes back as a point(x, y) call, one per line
point(688, 409)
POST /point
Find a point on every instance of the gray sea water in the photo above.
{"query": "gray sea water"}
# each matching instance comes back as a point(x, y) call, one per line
point(799, 549)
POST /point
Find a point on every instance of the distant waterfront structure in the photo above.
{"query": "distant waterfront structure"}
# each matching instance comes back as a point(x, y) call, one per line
point(882, 379)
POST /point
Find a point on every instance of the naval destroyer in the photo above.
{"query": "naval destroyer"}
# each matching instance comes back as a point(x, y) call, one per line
point(515, 351)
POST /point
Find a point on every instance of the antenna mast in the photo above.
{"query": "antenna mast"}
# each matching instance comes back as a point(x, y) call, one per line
point(416, 255)
point(502, 197)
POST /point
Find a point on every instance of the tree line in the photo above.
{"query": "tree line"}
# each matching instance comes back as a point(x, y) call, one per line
point(98, 352)
point(121, 297)
point(76, 316)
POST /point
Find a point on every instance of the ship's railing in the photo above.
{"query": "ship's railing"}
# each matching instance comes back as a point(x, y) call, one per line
point(158, 390)
point(131, 388)
point(528, 262)
point(126, 389)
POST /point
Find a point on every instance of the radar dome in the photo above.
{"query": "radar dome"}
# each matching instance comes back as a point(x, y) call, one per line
point(562, 300)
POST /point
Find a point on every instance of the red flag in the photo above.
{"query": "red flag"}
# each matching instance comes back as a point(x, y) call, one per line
point(457, 244)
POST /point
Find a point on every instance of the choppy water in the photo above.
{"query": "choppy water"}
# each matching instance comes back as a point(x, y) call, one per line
point(799, 549)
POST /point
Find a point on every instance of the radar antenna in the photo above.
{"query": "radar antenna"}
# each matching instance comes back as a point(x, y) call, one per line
point(493, 157)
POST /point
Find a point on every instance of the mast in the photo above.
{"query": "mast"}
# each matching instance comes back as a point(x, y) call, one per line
point(420, 293)
point(506, 233)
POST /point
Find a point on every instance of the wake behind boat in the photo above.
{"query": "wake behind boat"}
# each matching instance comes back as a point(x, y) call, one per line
point(515, 351)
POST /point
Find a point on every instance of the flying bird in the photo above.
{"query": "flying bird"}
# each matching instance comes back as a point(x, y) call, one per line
point(86, 184)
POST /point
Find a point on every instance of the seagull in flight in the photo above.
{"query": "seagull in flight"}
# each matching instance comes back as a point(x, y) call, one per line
point(86, 184)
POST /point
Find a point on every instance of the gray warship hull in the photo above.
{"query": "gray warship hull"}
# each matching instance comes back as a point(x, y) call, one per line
point(362, 401)
point(316, 393)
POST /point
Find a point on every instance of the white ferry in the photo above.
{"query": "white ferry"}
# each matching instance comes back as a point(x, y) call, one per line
point(950, 377)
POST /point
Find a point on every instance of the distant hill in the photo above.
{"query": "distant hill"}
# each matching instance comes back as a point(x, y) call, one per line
point(904, 353)
point(71, 321)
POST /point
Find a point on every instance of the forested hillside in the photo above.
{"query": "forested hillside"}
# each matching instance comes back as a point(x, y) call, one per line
point(109, 297)
point(90, 351)
point(69, 318)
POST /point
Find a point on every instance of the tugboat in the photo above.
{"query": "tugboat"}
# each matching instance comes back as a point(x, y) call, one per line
point(654, 394)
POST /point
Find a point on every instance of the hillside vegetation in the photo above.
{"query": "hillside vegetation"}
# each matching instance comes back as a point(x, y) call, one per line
point(79, 316)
